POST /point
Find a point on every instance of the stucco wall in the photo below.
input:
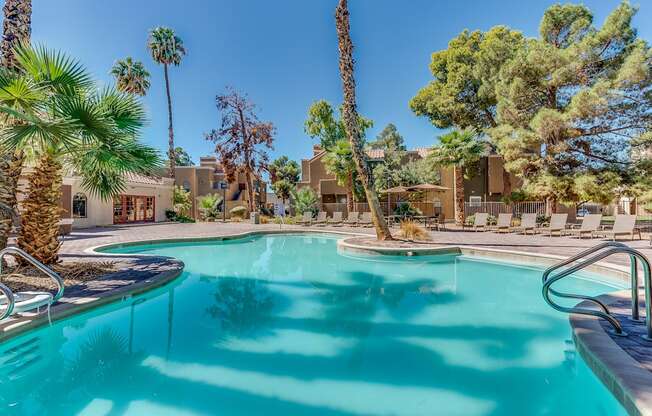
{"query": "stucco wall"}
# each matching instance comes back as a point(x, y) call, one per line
point(99, 212)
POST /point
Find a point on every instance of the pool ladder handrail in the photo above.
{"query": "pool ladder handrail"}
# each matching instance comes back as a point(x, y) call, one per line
point(17, 252)
point(603, 251)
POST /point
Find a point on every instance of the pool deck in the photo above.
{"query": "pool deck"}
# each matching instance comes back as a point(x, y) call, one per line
point(623, 364)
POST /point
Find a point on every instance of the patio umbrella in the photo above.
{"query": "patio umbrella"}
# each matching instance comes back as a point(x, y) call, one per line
point(428, 187)
point(396, 190)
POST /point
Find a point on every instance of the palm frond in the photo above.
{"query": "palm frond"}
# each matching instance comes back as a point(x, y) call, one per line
point(126, 111)
point(52, 68)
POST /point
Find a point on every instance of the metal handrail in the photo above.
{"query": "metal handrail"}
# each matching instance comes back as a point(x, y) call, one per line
point(15, 251)
point(613, 248)
point(10, 301)
point(576, 257)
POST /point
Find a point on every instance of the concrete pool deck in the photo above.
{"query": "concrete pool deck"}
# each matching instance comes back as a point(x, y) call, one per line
point(613, 359)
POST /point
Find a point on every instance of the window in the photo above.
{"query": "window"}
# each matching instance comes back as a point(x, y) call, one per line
point(186, 186)
point(79, 203)
point(475, 201)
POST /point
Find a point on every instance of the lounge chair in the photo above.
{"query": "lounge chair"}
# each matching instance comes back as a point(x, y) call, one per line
point(336, 220)
point(321, 218)
point(479, 221)
point(557, 224)
point(504, 223)
point(365, 220)
point(528, 223)
point(306, 219)
point(352, 219)
point(590, 226)
point(624, 225)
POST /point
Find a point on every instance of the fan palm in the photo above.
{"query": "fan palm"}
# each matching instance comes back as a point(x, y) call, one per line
point(339, 162)
point(131, 76)
point(58, 117)
point(350, 118)
point(17, 29)
point(167, 49)
point(459, 149)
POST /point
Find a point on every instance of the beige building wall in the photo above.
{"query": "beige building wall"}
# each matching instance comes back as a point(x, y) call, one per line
point(100, 212)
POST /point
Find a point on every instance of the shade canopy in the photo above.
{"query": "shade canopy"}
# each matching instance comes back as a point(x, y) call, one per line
point(428, 187)
point(397, 190)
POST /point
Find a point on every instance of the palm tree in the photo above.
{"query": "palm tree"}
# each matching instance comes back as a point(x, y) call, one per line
point(350, 118)
point(459, 149)
point(167, 49)
point(131, 76)
point(339, 162)
point(17, 29)
point(57, 115)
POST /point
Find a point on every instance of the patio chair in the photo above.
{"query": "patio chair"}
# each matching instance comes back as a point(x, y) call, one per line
point(336, 220)
point(365, 220)
point(557, 224)
point(306, 219)
point(590, 225)
point(528, 223)
point(438, 222)
point(624, 225)
point(321, 218)
point(352, 219)
point(479, 221)
point(504, 223)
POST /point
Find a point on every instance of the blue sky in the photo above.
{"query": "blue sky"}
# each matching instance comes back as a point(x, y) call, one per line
point(283, 54)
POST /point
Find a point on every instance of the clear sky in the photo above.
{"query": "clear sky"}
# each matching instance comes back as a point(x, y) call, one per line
point(283, 54)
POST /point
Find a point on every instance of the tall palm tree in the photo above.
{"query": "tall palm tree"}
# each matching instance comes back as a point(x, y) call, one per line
point(131, 76)
point(459, 149)
point(17, 29)
point(167, 49)
point(339, 162)
point(350, 118)
point(58, 116)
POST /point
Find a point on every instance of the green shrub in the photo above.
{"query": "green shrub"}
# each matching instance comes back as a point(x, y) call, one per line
point(170, 214)
point(405, 209)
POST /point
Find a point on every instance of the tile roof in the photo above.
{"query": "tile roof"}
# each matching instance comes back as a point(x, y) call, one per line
point(380, 153)
point(147, 180)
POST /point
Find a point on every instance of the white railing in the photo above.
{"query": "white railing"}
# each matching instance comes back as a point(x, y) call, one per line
point(495, 208)
point(427, 208)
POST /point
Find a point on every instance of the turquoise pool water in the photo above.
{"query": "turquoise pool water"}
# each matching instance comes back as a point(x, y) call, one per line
point(284, 325)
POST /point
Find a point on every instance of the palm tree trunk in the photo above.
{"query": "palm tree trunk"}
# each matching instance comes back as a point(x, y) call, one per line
point(171, 154)
point(41, 212)
point(10, 168)
point(17, 29)
point(350, 117)
point(458, 171)
point(349, 193)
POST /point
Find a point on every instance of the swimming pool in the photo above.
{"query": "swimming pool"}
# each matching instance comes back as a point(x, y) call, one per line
point(286, 325)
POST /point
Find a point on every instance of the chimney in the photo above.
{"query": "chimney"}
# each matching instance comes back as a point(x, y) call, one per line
point(316, 149)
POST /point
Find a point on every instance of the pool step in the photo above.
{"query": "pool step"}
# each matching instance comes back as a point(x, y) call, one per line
point(17, 360)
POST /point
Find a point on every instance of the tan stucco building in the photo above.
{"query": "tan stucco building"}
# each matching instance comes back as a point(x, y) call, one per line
point(485, 186)
point(205, 179)
point(145, 199)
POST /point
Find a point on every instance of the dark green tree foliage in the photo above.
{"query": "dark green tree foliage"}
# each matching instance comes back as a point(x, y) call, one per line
point(182, 158)
point(572, 102)
point(284, 175)
point(323, 124)
point(389, 138)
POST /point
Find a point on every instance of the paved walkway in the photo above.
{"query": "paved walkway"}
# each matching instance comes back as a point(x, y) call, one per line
point(75, 244)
